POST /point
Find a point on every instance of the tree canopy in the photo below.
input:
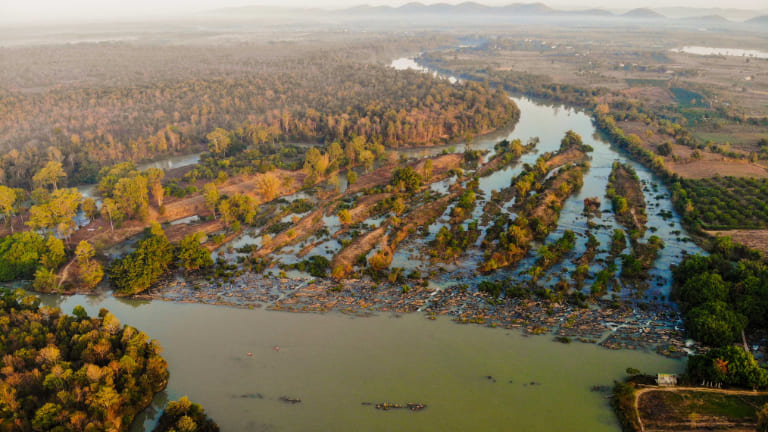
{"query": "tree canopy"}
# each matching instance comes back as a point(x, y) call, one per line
point(64, 373)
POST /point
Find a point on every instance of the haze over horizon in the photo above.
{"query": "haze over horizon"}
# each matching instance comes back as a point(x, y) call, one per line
point(51, 11)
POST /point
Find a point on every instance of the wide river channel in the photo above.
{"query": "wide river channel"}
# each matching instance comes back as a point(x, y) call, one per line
point(334, 363)
point(470, 377)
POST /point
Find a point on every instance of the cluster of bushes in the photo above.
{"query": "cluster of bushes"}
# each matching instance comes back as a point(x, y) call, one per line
point(505, 287)
point(637, 264)
point(406, 179)
point(550, 254)
point(316, 265)
point(626, 195)
point(62, 372)
point(153, 257)
point(449, 243)
point(28, 255)
point(729, 365)
point(508, 240)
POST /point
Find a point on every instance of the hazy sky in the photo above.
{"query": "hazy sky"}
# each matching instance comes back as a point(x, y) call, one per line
point(47, 10)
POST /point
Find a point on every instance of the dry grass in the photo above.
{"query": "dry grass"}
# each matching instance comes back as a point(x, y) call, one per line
point(706, 168)
point(756, 239)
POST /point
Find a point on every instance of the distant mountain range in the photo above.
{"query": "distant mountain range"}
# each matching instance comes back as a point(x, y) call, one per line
point(759, 20)
point(709, 16)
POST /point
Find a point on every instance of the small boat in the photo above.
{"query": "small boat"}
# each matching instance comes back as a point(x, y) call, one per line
point(416, 406)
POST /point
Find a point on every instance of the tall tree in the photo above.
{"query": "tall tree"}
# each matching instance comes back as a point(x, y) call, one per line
point(7, 204)
point(211, 195)
point(58, 213)
point(111, 210)
point(154, 179)
point(268, 186)
point(50, 174)
point(91, 271)
point(219, 141)
point(132, 195)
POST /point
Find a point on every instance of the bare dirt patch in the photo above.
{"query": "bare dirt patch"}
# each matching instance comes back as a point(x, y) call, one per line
point(693, 410)
point(308, 225)
point(361, 245)
point(572, 155)
point(421, 216)
point(441, 165)
point(654, 95)
point(756, 239)
point(365, 205)
point(705, 168)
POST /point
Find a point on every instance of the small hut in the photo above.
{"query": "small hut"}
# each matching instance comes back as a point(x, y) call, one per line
point(666, 380)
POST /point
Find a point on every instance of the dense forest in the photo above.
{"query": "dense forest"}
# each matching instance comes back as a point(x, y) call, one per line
point(72, 372)
point(317, 97)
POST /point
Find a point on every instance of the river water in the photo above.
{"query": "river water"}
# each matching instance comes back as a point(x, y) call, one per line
point(550, 123)
point(470, 377)
point(735, 52)
point(334, 363)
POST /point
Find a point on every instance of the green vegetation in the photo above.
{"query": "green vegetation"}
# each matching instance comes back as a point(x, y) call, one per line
point(63, 372)
point(551, 254)
point(723, 293)
point(406, 179)
point(688, 98)
point(723, 202)
point(28, 255)
point(450, 243)
point(729, 365)
point(185, 416)
point(623, 403)
point(637, 264)
point(191, 254)
point(626, 194)
point(90, 271)
point(138, 270)
point(22, 254)
point(315, 265)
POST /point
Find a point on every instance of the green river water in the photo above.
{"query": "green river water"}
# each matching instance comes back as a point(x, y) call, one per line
point(335, 362)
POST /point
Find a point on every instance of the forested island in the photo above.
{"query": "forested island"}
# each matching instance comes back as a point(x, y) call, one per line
point(72, 372)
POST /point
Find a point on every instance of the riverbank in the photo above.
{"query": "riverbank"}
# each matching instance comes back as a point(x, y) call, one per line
point(614, 325)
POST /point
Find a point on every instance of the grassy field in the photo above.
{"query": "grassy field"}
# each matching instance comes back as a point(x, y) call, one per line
point(693, 410)
point(688, 98)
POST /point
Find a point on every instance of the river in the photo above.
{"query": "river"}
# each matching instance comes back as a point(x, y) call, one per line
point(550, 123)
point(734, 52)
point(470, 377)
point(334, 362)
